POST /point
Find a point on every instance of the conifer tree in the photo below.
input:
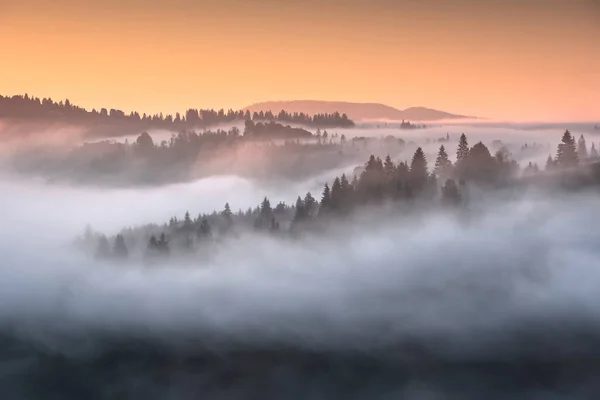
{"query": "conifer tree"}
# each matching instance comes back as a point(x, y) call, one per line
point(326, 197)
point(300, 214)
point(418, 169)
point(566, 154)
point(187, 221)
point(463, 149)
point(442, 163)
point(593, 153)
point(226, 213)
point(336, 194)
point(309, 204)
point(388, 167)
point(582, 152)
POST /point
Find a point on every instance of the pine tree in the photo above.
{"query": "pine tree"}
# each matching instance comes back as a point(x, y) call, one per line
point(336, 194)
point(187, 221)
point(442, 163)
point(265, 210)
point(300, 214)
point(309, 204)
point(463, 149)
point(418, 169)
point(566, 154)
point(388, 167)
point(326, 197)
point(594, 153)
point(226, 213)
point(582, 152)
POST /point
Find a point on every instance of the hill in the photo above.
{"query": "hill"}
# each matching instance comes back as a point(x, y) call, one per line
point(356, 111)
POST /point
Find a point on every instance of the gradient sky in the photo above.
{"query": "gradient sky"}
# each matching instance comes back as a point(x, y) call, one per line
point(506, 59)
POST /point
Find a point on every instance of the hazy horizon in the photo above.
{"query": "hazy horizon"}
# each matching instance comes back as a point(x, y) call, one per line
point(515, 60)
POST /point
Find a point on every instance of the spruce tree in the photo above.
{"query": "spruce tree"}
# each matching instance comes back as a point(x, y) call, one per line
point(418, 169)
point(326, 197)
point(582, 152)
point(388, 167)
point(309, 204)
point(593, 153)
point(463, 149)
point(226, 213)
point(187, 221)
point(442, 163)
point(300, 214)
point(336, 194)
point(566, 154)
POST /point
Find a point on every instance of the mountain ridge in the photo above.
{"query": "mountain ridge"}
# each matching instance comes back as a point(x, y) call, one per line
point(355, 111)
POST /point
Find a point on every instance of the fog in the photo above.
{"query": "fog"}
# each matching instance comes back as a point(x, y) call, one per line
point(516, 279)
point(520, 263)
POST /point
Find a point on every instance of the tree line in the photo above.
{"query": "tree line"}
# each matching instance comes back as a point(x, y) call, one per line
point(414, 182)
point(35, 108)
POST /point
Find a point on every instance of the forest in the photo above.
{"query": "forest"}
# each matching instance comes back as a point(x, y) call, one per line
point(410, 186)
point(119, 123)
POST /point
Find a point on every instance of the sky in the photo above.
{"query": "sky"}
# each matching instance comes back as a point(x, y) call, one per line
point(502, 59)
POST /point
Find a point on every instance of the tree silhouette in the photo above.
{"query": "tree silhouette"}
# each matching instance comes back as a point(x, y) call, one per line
point(566, 154)
point(418, 169)
point(593, 153)
point(582, 152)
point(442, 163)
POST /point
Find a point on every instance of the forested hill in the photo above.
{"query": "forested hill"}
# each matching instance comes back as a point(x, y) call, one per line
point(32, 109)
point(356, 111)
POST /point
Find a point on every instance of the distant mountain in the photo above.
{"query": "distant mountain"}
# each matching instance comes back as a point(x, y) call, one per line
point(356, 111)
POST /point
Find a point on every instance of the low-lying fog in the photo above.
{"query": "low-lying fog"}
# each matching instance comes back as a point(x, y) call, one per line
point(459, 286)
point(519, 264)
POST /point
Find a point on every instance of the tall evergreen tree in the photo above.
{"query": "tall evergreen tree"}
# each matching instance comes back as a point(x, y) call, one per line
point(418, 169)
point(594, 153)
point(187, 221)
point(309, 204)
point(442, 163)
point(326, 197)
point(462, 151)
point(388, 167)
point(227, 214)
point(582, 152)
point(300, 214)
point(566, 154)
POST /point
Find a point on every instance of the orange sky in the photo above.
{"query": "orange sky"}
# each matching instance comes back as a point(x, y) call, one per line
point(508, 59)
